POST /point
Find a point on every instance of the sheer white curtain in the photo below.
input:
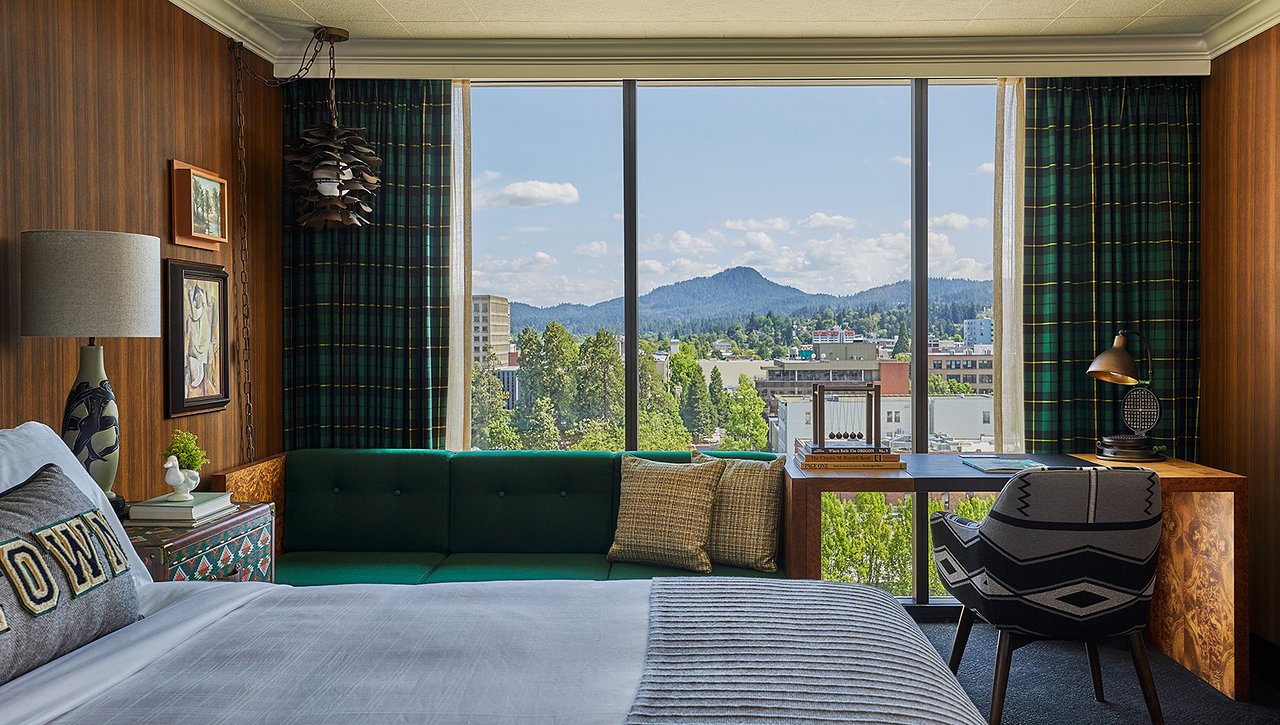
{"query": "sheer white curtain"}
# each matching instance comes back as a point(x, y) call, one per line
point(1010, 135)
point(458, 404)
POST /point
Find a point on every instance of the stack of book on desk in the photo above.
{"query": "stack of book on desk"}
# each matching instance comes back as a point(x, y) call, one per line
point(201, 509)
point(845, 456)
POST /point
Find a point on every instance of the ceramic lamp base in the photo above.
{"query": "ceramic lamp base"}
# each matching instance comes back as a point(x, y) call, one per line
point(91, 422)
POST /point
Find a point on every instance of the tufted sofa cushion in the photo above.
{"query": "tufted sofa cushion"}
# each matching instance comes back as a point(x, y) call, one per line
point(521, 502)
point(367, 500)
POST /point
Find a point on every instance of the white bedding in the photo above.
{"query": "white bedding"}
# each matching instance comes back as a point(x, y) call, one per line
point(493, 652)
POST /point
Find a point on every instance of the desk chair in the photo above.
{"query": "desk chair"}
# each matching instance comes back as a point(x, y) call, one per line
point(1064, 554)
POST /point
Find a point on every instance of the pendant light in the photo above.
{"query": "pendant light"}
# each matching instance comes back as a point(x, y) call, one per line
point(333, 169)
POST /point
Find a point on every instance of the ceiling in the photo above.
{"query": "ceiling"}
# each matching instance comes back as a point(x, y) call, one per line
point(394, 37)
point(383, 19)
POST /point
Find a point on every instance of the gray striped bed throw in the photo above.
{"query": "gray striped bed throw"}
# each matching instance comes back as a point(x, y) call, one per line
point(739, 650)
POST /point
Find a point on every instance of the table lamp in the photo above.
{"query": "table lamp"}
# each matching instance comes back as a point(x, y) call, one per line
point(91, 284)
point(1140, 407)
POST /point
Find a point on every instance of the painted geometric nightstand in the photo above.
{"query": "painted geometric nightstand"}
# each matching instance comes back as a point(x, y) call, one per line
point(237, 547)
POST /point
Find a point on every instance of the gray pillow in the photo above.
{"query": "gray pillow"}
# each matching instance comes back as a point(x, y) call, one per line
point(63, 573)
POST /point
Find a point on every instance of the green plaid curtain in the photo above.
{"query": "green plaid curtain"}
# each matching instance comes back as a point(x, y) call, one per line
point(1112, 242)
point(366, 309)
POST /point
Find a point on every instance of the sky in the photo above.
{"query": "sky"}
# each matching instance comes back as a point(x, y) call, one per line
point(810, 185)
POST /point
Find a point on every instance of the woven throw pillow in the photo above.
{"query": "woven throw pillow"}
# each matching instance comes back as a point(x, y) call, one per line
point(64, 576)
point(664, 516)
point(745, 513)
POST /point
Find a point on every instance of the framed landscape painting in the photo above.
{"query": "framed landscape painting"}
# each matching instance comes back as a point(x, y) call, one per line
point(200, 210)
point(198, 376)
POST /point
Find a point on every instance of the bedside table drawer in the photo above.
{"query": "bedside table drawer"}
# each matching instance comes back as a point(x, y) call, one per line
point(239, 547)
point(244, 558)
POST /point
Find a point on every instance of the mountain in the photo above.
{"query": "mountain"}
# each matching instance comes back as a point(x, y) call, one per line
point(734, 294)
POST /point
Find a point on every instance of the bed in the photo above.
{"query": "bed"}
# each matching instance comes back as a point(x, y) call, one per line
point(666, 650)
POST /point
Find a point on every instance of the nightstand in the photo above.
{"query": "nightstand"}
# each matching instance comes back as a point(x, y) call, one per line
point(238, 547)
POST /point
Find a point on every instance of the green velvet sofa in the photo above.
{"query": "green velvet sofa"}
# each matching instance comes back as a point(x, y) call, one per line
point(419, 516)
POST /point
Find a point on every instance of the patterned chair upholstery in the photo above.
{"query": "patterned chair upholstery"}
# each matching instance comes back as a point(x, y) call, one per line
point(1064, 554)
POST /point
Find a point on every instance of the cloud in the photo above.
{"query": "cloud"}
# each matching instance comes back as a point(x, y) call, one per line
point(776, 224)
point(958, 221)
point(592, 249)
point(528, 194)
point(540, 279)
point(987, 168)
point(818, 220)
point(904, 160)
point(684, 243)
point(532, 230)
point(537, 261)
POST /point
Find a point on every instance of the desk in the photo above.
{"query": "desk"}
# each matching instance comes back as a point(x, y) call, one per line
point(1200, 608)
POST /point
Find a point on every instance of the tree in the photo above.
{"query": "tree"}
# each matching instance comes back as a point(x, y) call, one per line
point(939, 385)
point(599, 385)
point(660, 426)
point(903, 343)
point(530, 374)
point(683, 366)
point(695, 406)
point(745, 428)
point(719, 401)
point(490, 419)
point(558, 376)
point(541, 432)
point(599, 435)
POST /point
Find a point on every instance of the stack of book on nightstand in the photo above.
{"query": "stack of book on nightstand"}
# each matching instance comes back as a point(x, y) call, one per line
point(845, 455)
point(200, 510)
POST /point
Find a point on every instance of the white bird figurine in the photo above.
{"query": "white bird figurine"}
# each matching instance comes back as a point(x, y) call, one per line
point(181, 480)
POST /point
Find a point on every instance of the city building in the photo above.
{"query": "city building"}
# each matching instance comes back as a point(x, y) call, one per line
point(957, 423)
point(854, 360)
point(490, 328)
point(973, 366)
point(509, 375)
point(979, 332)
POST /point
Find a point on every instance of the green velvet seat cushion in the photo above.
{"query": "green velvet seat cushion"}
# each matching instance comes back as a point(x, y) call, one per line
point(311, 568)
point(531, 502)
point(507, 567)
point(625, 570)
point(366, 500)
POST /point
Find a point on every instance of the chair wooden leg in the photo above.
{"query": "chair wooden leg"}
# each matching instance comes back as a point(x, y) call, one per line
point(1095, 669)
point(1138, 649)
point(963, 627)
point(1005, 646)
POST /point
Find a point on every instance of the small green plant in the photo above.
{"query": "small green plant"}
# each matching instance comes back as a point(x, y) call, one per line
point(183, 445)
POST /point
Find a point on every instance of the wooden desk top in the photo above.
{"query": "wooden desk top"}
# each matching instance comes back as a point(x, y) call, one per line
point(943, 471)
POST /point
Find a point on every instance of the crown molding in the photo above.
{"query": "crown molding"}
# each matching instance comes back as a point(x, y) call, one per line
point(747, 58)
point(228, 19)
point(766, 58)
point(1242, 25)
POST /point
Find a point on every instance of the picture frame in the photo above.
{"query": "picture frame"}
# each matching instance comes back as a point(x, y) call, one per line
point(201, 207)
point(197, 346)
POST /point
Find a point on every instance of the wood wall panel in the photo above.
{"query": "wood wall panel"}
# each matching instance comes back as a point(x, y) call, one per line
point(96, 96)
point(1240, 287)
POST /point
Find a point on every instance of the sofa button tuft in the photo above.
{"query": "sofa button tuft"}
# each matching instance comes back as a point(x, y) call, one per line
point(335, 489)
point(563, 494)
point(501, 494)
point(397, 492)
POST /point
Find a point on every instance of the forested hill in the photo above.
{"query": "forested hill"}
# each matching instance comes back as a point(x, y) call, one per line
point(735, 294)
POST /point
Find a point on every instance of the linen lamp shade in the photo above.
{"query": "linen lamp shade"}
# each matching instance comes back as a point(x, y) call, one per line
point(90, 284)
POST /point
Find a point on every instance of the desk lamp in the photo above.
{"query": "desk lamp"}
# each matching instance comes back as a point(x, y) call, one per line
point(1140, 407)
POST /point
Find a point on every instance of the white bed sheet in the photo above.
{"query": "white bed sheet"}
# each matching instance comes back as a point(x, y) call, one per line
point(500, 652)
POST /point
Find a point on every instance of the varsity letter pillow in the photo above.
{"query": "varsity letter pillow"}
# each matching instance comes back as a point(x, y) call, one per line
point(64, 576)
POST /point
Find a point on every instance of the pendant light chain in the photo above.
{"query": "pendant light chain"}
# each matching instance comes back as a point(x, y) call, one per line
point(246, 360)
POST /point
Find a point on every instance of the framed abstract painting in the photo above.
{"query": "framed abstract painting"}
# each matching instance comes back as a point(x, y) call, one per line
point(197, 356)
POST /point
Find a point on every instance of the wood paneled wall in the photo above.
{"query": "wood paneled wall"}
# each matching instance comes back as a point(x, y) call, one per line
point(1240, 284)
point(96, 96)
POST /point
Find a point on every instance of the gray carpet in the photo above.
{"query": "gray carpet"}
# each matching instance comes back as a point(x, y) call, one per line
point(1049, 683)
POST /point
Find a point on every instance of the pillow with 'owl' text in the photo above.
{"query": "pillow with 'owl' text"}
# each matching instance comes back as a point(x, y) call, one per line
point(64, 575)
